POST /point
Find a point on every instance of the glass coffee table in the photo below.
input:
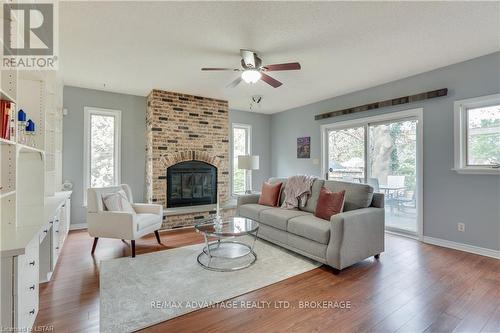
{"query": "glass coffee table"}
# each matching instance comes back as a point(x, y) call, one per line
point(225, 247)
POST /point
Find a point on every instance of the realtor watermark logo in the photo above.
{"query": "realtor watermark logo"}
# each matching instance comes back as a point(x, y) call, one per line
point(30, 36)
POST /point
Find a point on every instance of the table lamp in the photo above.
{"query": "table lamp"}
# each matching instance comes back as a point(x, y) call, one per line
point(248, 162)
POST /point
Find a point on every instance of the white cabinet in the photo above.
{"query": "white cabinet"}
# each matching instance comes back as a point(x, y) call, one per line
point(28, 258)
point(26, 286)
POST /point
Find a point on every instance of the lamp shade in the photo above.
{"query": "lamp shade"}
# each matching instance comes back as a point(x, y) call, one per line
point(248, 162)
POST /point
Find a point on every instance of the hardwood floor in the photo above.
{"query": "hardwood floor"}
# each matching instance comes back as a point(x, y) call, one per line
point(414, 287)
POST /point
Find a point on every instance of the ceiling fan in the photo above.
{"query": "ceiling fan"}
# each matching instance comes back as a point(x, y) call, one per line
point(252, 70)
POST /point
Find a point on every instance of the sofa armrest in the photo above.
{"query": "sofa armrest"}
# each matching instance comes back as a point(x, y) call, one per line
point(120, 225)
point(143, 208)
point(247, 199)
point(355, 235)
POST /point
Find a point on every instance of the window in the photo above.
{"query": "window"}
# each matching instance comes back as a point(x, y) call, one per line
point(241, 146)
point(477, 135)
point(102, 148)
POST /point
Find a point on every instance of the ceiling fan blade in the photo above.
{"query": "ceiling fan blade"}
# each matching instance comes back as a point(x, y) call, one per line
point(283, 67)
point(218, 69)
point(234, 83)
point(269, 80)
point(248, 58)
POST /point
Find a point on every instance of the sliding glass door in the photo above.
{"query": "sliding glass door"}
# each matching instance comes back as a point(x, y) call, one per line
point(383, 154)
point(392, 165)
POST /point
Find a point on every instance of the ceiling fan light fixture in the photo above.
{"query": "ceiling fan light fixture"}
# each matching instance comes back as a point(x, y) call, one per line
point(251, 75)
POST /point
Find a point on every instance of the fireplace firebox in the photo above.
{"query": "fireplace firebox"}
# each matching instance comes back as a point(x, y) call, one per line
point(191, 183)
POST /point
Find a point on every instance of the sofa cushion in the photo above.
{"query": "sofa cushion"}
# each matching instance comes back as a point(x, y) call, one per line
point(147, 220)
point(310, 227)
point(356, 195)
point(307, 247)
point(275, 180)
point(278, 217)
point(311, 203)
point(252, 211)
point(270, 194)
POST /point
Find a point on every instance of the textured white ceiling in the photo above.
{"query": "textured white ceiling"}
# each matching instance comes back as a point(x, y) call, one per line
point(133, 47)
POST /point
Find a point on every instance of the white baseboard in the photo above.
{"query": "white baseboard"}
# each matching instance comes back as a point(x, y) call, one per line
point(78, 226)
point(462, 247)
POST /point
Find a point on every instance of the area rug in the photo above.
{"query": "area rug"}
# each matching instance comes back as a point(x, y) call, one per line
point(139, 292)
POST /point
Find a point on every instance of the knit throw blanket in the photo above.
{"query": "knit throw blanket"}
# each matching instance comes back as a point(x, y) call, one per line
point(297, 190)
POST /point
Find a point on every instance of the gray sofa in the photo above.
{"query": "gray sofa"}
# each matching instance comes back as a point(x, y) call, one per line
point(349, 237)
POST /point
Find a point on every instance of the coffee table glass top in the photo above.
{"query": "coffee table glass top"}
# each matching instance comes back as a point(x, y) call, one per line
point(234, 226)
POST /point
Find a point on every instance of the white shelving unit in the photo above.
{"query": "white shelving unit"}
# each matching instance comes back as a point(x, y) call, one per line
point(40, 96)
point(34, 214)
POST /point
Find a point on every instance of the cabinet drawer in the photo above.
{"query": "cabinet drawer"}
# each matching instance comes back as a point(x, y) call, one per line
point(31, 258)
point(57, 226)
point(25, 317)
point(26, 291)
point(27, 272)
point(28, 295)
point(55, 239)
point(46, 231)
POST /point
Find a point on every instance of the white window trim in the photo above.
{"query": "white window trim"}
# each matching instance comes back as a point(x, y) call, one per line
point(248, 128)
point(88, 111)
point(460, 134)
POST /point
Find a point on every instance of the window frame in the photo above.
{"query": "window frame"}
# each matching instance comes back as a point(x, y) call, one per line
point(248, 141)
point(461, 133)
point(88, 112)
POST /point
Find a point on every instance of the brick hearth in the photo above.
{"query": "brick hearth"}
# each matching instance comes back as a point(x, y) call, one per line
point(179, 128)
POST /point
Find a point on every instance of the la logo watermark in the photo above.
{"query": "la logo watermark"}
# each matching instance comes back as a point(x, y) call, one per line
point(29, 36)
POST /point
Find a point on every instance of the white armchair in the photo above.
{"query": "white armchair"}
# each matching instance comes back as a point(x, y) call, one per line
point(121, 225)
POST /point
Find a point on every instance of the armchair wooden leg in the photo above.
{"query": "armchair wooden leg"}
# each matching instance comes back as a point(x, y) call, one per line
point(377, 256)
point(157, 234)
point(133, 248)
point(95, 244)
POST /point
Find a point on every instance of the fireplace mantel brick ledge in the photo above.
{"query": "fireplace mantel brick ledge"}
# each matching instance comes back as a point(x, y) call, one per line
point(181, 127)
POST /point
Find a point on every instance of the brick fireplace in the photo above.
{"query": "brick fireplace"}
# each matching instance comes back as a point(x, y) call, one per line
point(182, 128)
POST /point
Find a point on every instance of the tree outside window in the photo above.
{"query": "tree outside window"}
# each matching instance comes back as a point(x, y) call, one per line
point(102, 152)
point(102, 148)
point(483, 136)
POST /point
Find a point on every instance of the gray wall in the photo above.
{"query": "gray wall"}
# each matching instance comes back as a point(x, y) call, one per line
point(449, 197)
point(260, 145)
point(132, 145)
point(133, 141)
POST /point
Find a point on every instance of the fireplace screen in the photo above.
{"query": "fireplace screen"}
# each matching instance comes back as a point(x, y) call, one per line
point(191, 183)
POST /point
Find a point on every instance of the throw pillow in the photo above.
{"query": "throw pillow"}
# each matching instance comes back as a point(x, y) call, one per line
point(329, 203)
point(117, 202)
point(270, 194)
